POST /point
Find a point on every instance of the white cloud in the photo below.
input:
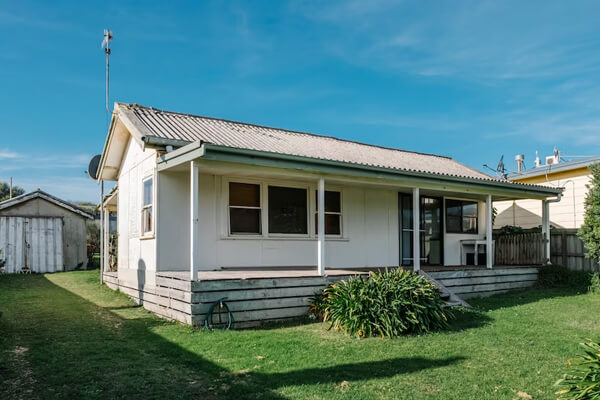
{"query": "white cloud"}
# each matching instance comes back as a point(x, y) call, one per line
point(7, 154)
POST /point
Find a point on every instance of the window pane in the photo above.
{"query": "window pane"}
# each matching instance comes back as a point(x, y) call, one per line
point(469, 209)
point(453, 208)
point(453, 224)
point(244, 220)
point(469, 225)
point(287, 210)
point(332, 201)
point(332, 224)
point(147, 220)
point(148, 192)
point(244, 194)
point(407, 222)
point(407, 248)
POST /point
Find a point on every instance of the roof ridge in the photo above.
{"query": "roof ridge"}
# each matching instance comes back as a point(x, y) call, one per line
point(137, 105)
point(40, 193)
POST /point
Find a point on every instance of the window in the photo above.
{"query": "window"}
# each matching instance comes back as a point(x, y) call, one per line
point(461, 216)
point(288, 211)
point(244, 209)
point(147, 217)
point(333, 213)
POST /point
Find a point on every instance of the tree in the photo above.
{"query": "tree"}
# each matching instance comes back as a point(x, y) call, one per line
point(5, 191)
point(589, 232)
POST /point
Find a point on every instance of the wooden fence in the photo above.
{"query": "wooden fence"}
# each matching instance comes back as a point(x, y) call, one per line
point(519, 249)
point(527, 249)
point(568, 250)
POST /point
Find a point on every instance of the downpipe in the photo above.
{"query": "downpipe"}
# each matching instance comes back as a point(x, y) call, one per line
point(547, 249)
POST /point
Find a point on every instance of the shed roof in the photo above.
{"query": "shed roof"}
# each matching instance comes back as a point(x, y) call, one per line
point(46, 196)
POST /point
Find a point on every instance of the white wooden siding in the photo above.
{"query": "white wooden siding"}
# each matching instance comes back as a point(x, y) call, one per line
point(34, 242)
point(136, 252)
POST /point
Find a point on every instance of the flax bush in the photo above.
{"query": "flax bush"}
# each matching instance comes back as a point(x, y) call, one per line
point(385, 304)
point(582, 382)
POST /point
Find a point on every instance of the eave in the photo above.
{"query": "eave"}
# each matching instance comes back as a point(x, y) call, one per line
point(207, 151)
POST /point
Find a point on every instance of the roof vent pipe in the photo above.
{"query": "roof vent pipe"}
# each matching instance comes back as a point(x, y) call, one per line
point(520, 159)
point(537, 159)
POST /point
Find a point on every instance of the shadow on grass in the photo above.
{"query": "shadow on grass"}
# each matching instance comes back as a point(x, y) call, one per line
point(521, 297)
point(468, 318)
point(65, 346)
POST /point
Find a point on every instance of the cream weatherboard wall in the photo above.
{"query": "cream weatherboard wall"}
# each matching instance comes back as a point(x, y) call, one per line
point(137, 252)
point(568, 213)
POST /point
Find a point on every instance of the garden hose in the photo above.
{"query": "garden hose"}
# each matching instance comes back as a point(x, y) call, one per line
point(219, 316)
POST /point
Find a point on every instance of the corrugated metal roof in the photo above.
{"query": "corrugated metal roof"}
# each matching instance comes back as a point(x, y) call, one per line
point(174, 126)
point(553, 168)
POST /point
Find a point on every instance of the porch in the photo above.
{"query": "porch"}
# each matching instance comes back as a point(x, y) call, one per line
point(244, 216)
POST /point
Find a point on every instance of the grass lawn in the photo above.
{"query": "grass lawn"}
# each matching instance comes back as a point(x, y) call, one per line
point(64, 336)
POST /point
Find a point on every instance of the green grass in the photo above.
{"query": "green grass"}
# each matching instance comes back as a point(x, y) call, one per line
point(64, 336)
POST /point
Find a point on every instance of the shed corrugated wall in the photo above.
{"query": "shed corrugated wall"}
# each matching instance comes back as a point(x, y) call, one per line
point(35, 242)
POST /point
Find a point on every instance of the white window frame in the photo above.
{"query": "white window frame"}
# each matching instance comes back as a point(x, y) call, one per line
point(478, 216)
point(307, 187)
point(145, 207)
point(260, 208)
point(264, 205)
point(340, 213)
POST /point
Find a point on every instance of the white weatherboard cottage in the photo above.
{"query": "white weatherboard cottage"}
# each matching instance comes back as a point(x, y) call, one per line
point(209, 208)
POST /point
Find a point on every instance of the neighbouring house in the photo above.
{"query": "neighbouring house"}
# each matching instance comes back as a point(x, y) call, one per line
point(573, 175)
point(42, 233)
point(209, 208)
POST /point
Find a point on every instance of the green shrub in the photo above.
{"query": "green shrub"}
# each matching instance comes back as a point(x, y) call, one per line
point(589, 233)
point(583, 380)
point(384, 304)
point(556, 276)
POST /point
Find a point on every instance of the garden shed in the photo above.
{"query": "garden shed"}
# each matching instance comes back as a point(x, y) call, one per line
point(42, 233)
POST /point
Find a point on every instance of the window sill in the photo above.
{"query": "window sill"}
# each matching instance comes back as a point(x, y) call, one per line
point(279, 238)
point(147, 236)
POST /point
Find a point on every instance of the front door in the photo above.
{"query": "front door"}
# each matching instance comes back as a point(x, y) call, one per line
point(431, 230)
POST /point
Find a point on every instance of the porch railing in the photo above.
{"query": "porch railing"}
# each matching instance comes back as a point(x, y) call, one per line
point(519, 249)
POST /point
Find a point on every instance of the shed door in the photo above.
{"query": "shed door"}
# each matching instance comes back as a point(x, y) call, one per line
point(31, 243)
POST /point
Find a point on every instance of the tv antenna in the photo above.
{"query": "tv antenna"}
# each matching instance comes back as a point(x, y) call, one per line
point(500, 169)
point(108, 37)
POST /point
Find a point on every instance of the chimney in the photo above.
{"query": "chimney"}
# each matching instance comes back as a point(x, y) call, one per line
point(520, 159)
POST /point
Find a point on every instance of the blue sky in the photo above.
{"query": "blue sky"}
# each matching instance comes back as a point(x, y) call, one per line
point(469, 79)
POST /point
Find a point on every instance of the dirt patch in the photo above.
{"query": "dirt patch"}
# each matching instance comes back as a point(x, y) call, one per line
point(20, 381)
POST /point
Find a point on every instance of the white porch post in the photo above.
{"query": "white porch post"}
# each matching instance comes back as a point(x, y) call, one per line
point(106, 238)
point(101, 232)
point(193, 221)
point(489, 250)
point(321, 228)
point(416, 229)
point(546, 230)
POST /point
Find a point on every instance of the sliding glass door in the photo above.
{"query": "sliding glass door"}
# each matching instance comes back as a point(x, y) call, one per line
point(431, 230)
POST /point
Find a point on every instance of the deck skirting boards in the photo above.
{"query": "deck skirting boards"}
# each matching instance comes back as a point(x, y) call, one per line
point(480, 283)
point(251, 301)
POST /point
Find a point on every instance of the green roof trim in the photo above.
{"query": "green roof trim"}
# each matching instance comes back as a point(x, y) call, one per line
point(209, 151)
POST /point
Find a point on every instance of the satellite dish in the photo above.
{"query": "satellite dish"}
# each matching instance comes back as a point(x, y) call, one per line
point(93, 167)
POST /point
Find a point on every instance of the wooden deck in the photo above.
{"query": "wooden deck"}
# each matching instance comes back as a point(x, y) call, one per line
point(251, 273)
point(442, 268)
